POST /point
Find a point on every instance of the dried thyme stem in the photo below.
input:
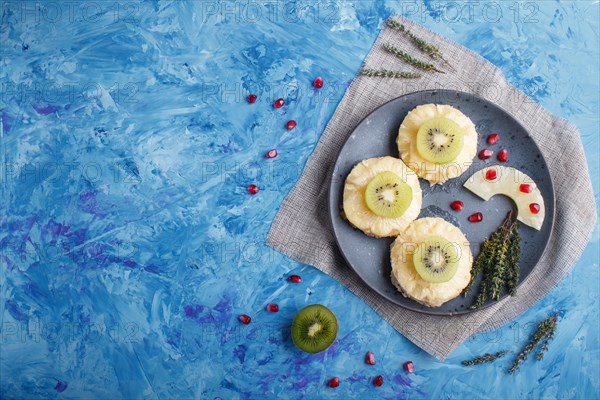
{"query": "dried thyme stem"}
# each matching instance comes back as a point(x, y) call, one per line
point(540, 355)
point(500, 260)
point(410, 59)
point(514, 255)
point(487, 270)
point(432, 51)
point(545, 330)
point(384, 73)
point(486, 358)
point(485, 256)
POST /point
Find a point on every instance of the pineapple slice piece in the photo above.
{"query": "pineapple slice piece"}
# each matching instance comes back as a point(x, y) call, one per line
point(357, 210)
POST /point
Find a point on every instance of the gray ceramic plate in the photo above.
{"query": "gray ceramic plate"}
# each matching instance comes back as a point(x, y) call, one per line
point(376, 135)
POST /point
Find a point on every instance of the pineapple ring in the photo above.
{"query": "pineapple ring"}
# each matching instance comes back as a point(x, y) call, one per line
point(404, 275)
point(407, 143)
point(354, 204)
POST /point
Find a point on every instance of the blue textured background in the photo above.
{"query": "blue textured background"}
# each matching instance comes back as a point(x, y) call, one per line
point(130, 245)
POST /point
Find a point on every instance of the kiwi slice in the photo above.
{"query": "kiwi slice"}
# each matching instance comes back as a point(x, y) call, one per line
point(436, 259)
point(387, 195)
point(439, 140)
point(314, 328)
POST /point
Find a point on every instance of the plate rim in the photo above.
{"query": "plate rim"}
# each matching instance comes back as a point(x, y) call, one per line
point(426, 311)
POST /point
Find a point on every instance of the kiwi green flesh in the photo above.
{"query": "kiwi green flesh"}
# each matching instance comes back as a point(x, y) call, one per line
point(314, 328)
point(439, 140)
point(388, 196)
point(436, 259)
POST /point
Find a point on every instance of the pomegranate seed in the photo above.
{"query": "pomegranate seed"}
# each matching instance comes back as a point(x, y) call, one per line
point(525, 188)
point(457, 205)
point(503, 155)
point(295, 278)
point(272, 307)
point(493, 138)
point(485, 154)
point(334, 382)
point(245, 319)
point(253, 189)
point(491, 174)
point(370, 358)
point(252, 98)
point(378, 381)
point(534, 208)
point(271, 153)
point(291, 124)
point(278, 103)
point(318, 83)
point(477, 217)
point(409, 367)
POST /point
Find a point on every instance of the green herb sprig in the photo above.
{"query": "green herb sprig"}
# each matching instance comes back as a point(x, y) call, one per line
point(486, 358)
point(407, 58)
point(481, 263)
point(384, 73)
point(498, 262)
point(431, 50)
point(545, 330)
point(514, 256)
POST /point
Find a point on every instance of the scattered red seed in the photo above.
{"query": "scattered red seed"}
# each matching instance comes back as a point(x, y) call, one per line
point(457, 205)
point(253, 189)
point(295, 278)
point(378, 381)
point(503, 155)
point(271, 153)
point(245, 319)
point(318, 83)
point(485, 154)
point(252, 98)
point(477, 217)
point(272, 307)
point(409, 367)
point(491, 174)
point(534, 208)
point(493, 138)
point(291, 124)
point(370, 358)
point(278, 103)
point(525, 188)
point(334, 382)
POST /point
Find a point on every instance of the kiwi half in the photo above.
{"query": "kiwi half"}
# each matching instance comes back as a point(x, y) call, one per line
point(439, 140)
point(387, 195)
point(436, 259)
point(314, 328)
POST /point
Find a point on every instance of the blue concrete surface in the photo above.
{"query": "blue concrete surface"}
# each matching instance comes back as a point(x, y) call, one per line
point(130, 245)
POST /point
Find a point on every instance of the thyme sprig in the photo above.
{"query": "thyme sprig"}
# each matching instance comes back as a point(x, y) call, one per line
point(431, 50)
point(480, 263)
point(384, 73)
point(498, 262)
point(514, 256)
point(545, 331)
point(486, 358)
point(407, 58)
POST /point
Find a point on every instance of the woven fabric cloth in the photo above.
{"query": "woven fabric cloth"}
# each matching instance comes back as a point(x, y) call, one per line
point(302, 228)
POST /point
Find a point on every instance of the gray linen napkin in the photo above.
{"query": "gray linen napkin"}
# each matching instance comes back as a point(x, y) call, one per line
point(303, 232)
